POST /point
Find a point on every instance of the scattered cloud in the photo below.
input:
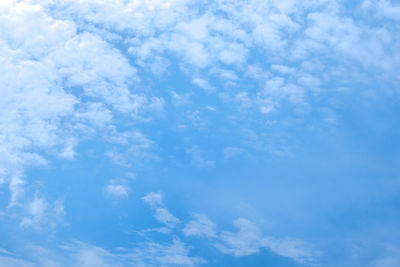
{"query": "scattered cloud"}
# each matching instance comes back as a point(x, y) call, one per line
point(197, 158)
point(200, 226)
point(249, 240)
point(73, 71)
point(42, 214)
point(154, 200)
point(175, 253)
point(179, 99)
point(116, 189)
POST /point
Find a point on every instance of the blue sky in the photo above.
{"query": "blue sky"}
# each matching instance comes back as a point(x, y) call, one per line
point(199, 133)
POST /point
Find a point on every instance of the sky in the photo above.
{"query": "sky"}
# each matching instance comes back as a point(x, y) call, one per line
point(199, 133)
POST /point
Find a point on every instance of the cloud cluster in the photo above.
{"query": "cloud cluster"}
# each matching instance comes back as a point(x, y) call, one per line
point(58, 86)
point(73, 70)
point(69, 67)
point(248, 240)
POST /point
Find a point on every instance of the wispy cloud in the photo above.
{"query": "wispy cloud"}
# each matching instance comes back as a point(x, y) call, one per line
point(161, 213)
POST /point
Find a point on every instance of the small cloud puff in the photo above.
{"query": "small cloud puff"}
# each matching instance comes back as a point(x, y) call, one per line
point(115, 189)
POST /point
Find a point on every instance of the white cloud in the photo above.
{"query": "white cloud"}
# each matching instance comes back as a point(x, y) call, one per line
point(103, 72)
point(79, 254)
point(116, 189)
point(41, 213)
point(179, 99)
point(383, 8)
point(245, 242)
point(117, 158)
point(296, 249)
point(10, 261)
point(225, 74)
point(200, 226)
point(65, 76)
point(96, 113)
point(154, 200)
point(203, 84)
point(282, 69)
point(364, 45)
point(196, 29)
point(249, 240)
point(86, 255)
point(175, 253)
point(153, 29)
point(233, 54)
point(243, 99)
point(91, 256)
point(128, 146)
point(193, 53)
point(197, 158)
point(69, 149)
point(6, 252)
point(58, 86)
